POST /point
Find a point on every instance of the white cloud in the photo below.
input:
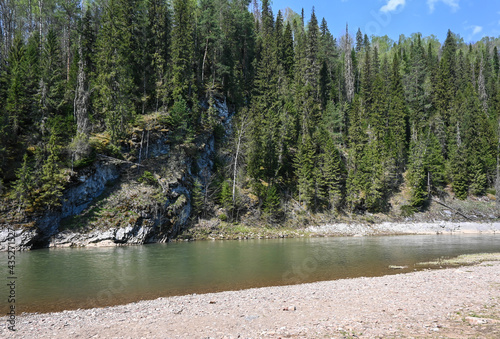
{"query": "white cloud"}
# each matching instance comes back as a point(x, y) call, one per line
point(452, 3)
point(392, 5)
point(476, 29)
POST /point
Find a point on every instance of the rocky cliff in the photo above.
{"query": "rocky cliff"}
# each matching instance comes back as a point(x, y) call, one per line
point(142, 198)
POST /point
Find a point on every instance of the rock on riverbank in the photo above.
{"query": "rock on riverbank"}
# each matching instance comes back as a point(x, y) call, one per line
point(392, 228)
point(459, 302)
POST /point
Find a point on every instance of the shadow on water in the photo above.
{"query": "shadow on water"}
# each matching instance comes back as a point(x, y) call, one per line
point(59, 279)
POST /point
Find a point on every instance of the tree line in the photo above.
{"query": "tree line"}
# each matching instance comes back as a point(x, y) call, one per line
point(331, 124)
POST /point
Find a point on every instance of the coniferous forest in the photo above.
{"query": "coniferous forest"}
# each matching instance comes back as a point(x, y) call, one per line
point(332, 123)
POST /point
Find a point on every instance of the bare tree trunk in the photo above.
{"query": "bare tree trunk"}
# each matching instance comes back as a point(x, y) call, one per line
point(30, 11)
point(40, 20)
point(235, 169)
point(7, 13)
point(147, 144)
point(204, 59)
point(82, 95)
point(349, 72)
point(140, 149)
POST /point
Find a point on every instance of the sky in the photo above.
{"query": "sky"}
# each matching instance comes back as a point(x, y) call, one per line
point(471, 19)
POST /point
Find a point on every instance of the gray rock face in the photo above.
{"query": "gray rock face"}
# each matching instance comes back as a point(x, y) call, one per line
point(114, 236)
point(91, 182)
point(23, 239)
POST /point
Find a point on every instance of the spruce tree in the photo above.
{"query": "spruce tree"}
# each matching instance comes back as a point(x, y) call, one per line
point(16, 101)
point(182, 49)
point(51, 178)
point(115, 78)
point(288, 52)
point(23, 187)
point(51, 88)
point(359, 40)
point(332, 178)
point(349, 70)
point(304, 163)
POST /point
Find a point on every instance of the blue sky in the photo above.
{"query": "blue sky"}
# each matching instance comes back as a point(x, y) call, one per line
point(471, 19)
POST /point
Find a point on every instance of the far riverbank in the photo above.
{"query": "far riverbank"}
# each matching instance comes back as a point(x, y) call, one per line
point(225, 231)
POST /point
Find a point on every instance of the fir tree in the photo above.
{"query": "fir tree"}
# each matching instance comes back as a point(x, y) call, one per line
point(272, 202)
point(182, 49)
point(16, 102)
point(359, 40)
point(332, 174)
point(51, 88)
point(51, 179)
point(288, 52)
point(305, 171)
point(115, 82)
point(23, 187)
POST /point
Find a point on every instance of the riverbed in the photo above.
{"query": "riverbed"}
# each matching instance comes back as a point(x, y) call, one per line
point(460, 302)
point(51, 280)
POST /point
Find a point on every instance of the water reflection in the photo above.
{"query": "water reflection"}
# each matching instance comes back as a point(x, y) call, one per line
point(50, 280)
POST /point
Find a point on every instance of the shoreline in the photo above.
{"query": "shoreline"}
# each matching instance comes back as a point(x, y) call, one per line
point(445, 302)
point(239, 232)
point(226, 231)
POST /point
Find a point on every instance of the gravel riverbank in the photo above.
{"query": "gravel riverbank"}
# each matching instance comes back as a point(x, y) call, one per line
point(392, 228)
point(456, 302)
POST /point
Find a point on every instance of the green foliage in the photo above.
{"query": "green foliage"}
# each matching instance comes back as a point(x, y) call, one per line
point(478, 180)
point(115, 73)
point(304, 162)
point(106, 148)
point(80, 149)
point(226, 197)
point(197, 197)
point(51, 179)
point(336, 124)
point(408, 210)
point(147, 178)
point(179, 114)
point(182, 48)
point(272, 202)
point(417, 180)
point(179, 118)
point(51, 88)
point(23, 187)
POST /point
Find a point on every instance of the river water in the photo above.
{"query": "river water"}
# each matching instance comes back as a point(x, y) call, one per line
point(71, 278)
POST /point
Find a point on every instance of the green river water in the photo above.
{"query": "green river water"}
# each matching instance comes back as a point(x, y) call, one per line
point(71, 278)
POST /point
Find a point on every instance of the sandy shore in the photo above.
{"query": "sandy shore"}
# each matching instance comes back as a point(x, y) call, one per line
point(458, 302)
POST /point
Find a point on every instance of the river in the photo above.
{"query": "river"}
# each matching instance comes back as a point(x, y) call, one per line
point(58, 279)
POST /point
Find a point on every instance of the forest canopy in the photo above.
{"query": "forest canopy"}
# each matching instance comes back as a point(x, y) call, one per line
point(334, 123)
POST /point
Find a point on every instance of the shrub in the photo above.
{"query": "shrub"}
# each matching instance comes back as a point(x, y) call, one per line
point(147, 178)
point(407, 210)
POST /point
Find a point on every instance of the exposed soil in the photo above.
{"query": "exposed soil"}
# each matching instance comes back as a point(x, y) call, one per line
point(448, 303)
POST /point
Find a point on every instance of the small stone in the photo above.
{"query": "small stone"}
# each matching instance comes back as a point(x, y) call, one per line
point(476, 321)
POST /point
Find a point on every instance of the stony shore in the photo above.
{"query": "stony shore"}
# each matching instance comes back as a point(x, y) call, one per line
point(456, 302)
point(401, 228)
point(217, 231)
